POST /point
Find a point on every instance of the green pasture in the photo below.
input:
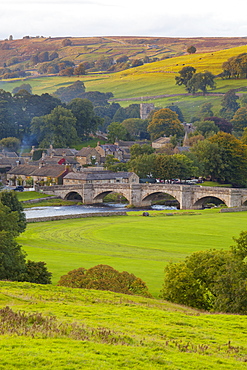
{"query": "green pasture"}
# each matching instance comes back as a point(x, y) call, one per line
point(137, 244)
point(103, 330)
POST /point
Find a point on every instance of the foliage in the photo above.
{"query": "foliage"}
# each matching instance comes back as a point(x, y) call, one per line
point(223, 157)
point(87, 121)
point(66, 94)
point(36, 272)
point(143, 165)
point(177, 110)
point(210, 279)
point(200, 81)
point(10, 143)
point(235, 67)
point(222, 123)
point(186, 74)
point(10, 200)
point(115, 132)
point(26, 87)
point(138, 150)
point(229, 104)
point(176, 166)
point(191, 49)
point(206, 128)
point(136, 127)
point(104, 277)
point(239, 120)
point(165, 122)
point(57, 128)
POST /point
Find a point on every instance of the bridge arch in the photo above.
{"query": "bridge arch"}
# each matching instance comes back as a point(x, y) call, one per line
point(73, 195)
point(101, 195)
point(199, 203)
point(152, 196)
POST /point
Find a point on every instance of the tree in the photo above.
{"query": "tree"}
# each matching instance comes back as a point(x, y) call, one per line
point(200, 81)
point(113, 164)
point(143, 165)
point(66, 94)
point(186, 74)
point(36, 272)
point(165, 122)
point(206, 128)
point(87, 121)
point(239, 120)
point(26, 87)
point(137, 150)
point(135, 126)
point(10, 144)
point(66, 42)
point(229, 104)
point(174, 166)
point(13, 265)
point(10, 200)
point(206, 110)
point(222, 123)
point(104, 277)
point(115, 131)
point(224, 158)
point(191, 49)
point(57, 128)
point(210, 279)
point(80, 70)
point(177, 110)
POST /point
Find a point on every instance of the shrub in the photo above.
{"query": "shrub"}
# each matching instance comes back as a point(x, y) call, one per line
point(104, 277)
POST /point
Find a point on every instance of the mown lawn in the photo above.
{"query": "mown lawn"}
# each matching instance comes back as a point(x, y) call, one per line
point(137, 244)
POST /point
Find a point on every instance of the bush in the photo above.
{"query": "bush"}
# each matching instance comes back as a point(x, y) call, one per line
point(36, 272)
point(104, 277)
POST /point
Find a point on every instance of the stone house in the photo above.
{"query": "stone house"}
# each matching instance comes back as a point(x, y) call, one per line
point(48, 174)
point(110, 149)
point(161, 141)
point(100, 177)
point(88, 155)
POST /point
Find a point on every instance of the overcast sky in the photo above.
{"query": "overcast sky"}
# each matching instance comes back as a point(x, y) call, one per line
point(184, 18)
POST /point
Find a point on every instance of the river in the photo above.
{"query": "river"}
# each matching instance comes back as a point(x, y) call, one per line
point(37, 212)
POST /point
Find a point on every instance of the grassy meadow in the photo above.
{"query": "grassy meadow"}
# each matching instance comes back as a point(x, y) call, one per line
point(133, 243)
point(57, 328)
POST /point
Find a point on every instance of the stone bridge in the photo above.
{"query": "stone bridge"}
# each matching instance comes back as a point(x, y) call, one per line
point(142, 195)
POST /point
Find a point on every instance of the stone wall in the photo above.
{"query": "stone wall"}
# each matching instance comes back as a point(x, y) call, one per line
point(81, 215)
point(234, 209)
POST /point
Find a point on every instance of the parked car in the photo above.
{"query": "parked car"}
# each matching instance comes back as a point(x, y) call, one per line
point(19, 188)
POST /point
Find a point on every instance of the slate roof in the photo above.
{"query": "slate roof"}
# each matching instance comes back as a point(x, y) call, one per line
point(62, 151)
point(85, 151)
point(97, 175)
point(45, 171)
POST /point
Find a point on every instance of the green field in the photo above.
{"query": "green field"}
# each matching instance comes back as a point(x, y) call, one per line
point(137, 244)
point(70, 329)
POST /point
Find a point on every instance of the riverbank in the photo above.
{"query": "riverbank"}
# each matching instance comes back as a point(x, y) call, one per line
point(72, 216)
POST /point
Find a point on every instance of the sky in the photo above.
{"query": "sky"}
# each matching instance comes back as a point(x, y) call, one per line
point(74, 18)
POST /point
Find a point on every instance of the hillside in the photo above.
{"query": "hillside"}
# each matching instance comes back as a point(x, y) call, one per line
point(59, 328)
point(152, 82)
point(90, 48)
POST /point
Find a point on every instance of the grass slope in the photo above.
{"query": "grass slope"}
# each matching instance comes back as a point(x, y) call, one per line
point(139, 245)
point(102, 330)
